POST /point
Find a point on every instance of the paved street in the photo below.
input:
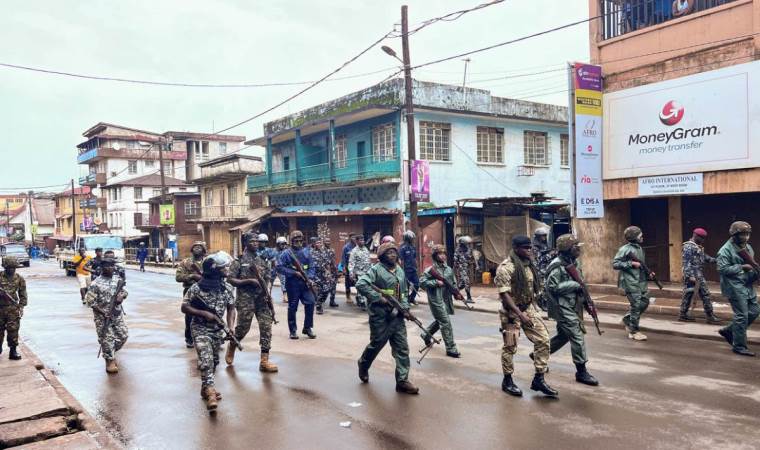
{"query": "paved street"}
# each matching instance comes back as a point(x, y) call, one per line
point(668, 393)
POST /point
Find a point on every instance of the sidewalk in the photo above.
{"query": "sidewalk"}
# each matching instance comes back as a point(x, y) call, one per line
point(37, 412)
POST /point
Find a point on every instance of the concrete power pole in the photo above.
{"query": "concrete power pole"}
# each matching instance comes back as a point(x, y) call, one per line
point(73, 216)
point(410, 137)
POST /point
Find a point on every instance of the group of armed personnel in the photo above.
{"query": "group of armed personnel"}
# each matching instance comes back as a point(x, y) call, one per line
point(531, 278)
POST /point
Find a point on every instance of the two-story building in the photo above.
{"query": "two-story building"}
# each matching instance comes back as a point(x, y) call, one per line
point(226, 210)
point(169, 221)
point(340, 167)
point(681, 130)
point(82, 208)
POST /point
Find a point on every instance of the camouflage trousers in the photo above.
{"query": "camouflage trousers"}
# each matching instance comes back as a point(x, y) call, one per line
point(208, 342)
point(463, 280)
point(113, 338)
point(688, 294)
point(327, 288)
point(537, 334)
point(10, 322)
point(247, 308)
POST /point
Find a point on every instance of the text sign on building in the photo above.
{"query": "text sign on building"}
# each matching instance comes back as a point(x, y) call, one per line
point(688, 183)
point(587, 87)
point(696, 123)
point(420, 181)
point(167, 214)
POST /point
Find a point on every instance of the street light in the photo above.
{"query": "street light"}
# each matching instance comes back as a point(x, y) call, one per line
point(391, 52)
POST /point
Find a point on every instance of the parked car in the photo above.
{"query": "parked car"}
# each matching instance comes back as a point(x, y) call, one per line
point(17, 250)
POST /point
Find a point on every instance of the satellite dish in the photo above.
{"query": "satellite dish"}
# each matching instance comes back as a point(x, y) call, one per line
point(116, 146)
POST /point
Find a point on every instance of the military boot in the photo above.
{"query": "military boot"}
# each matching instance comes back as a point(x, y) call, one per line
point(637, 336)
point(686, 318)
point(509, 386)
point(539, 384)
point(309, 332)
point(363, 373)
point(712, 319)
point(743, 351)
point(320, 310)
point(727, 334)
point(1, 346)
point(229, 357)
point(333, 304)
point(582, 376)
point(111, 366)
point(204, 393)
point(405, 387)
point(265, 365)
point(14, 354)
point(212, 402)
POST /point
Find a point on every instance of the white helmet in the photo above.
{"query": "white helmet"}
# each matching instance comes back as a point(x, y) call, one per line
point(465, 240)
point(217, 260)
point(543, 231)
point(263, 238)
point(281, 240)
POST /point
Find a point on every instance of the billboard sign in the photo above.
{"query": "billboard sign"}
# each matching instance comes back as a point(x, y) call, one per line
point(167, 214)
point(587, 158)
point(420, 181)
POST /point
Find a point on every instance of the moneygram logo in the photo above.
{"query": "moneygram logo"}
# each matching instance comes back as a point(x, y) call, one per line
point(671, 113)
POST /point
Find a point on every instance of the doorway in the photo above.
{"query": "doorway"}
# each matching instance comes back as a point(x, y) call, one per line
point(651, 215)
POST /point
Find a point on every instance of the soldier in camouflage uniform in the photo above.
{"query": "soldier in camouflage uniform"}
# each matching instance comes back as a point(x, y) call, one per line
point(188, 273)
point(633, 280)
point(543, 255)
point(327, 274)
point(216, 296)
point(358, 264)
point(517, 281)
point(463, 262)
point(694, 259)
point(737, 278)
point(383, 327)
point(251, 299)
point(12, 303)
point(440, 301)
point(98, 297)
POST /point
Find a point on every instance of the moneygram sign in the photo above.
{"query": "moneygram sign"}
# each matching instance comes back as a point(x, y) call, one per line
point(698, 123)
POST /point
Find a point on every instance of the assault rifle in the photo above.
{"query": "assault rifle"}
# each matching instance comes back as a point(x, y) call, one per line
point(644, 267)
point(267, 295)
point(588, 303)
point(198, 303)
point(450, 287)
point(299, 268)
point(111, 311)
point(5, 294)
point(748, 259)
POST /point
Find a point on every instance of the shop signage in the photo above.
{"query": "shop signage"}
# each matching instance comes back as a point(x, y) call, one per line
point(587, 158)
point(696, 123)
point(420, 181)
point(688, 183)
point(167, 214)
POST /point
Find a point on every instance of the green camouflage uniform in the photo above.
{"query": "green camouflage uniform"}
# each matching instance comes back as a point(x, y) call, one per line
point(209, 336)
point(506, 282)
point(634, 282)
point(382, 328)
point(737, 285)
point(98, 298)
point(10, 319)
point(252, 300)
point(441, 303)
point(566, 307)
point(189, 266)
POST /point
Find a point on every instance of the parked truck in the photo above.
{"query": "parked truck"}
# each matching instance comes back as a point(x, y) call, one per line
point(90, 242)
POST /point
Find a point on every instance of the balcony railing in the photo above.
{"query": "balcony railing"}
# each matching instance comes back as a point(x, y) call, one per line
point(224, 212)
point(625, 16)
point(345, 171)
point(93, 179)
point(95, 154)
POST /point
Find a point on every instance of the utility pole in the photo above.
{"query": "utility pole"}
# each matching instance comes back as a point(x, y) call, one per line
point(73, 216)
point(7, 221)
point(409, 107)
point(464, 80)
point(31, 216)
point(161, 162)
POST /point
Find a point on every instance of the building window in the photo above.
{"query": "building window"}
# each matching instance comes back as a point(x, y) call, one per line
point(341, 152)
point(231, 194)
point(208, 196)
point(222, 148)
point(564, 150)
point(132, 145)
point(156, 191)
point(191, 208)
point(434, 141)
point(384, 142)
point(132, 167)
point(149, 163)
point(138, 193)
point(536, 148)
point(168, 169)
point(201, 151)
point(491, 145)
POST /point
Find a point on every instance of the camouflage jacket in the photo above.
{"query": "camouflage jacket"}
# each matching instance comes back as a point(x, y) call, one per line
point(324, 262)
point(694, 259)
point(188, 266)
point(735, 283)
point(15, 286)
point(543, 255)
point(463, 260)
point(359, 261)
point(218, 300)
point(241, 269)
point(101, 291)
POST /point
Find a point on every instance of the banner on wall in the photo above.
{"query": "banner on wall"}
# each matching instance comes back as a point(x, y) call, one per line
point(587, 158)
point(420, 175)
point(167, 214)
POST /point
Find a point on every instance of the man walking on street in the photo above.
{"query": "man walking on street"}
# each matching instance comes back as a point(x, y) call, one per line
point(385, 324)
point(408, 256)
point(440, 301)
point(633, 279)
point(298, 283)
point(566, 305)
point(358, 264)
point(517, 281)
point(94, 265)
point(463, 263)
point(327, 274)
point(345, 255)
point(188, 273)
point(113, 337)
point(251, 298)
point(543, 255)
point(84, 278)
point(12, 303)
point(207, 302)
point(142, 254)
point(738, 273)
point(694, 259)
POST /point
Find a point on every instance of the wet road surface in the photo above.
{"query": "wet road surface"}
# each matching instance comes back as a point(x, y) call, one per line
point(669, 392)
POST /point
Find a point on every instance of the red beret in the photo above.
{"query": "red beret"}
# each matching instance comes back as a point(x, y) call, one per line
point(700, 232)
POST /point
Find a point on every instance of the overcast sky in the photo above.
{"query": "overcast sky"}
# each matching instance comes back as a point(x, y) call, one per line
point(43, 116)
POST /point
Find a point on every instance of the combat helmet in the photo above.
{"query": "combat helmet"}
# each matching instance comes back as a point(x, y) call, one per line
point(632, 233)
point(10, 262)
point(566, 242)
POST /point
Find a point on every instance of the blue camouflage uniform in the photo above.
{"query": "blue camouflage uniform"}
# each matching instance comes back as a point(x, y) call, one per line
point(296, 288)
point(408, 256)
point(694, 259)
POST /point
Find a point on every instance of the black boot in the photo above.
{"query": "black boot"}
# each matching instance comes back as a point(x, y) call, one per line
point(539, 384)
point(739, 351)
point(711, 319)
point(363, 373)
point(453, 354)
point(509, 386)
point(582, 376)
point(332, 303)
point(686, 318)
point(309, 332)
point(406, 387)
point(1, 348)
point(293, 335)
point(320, 311)
point(727, 334)
point(14, 354)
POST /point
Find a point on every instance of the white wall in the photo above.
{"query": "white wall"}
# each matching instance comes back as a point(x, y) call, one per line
point(120, 214)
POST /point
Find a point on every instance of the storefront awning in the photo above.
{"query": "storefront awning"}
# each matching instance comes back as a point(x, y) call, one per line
point(361, 212)
point(63, 216)
point(58, 237)
point(255, 217)
point(136, 237)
